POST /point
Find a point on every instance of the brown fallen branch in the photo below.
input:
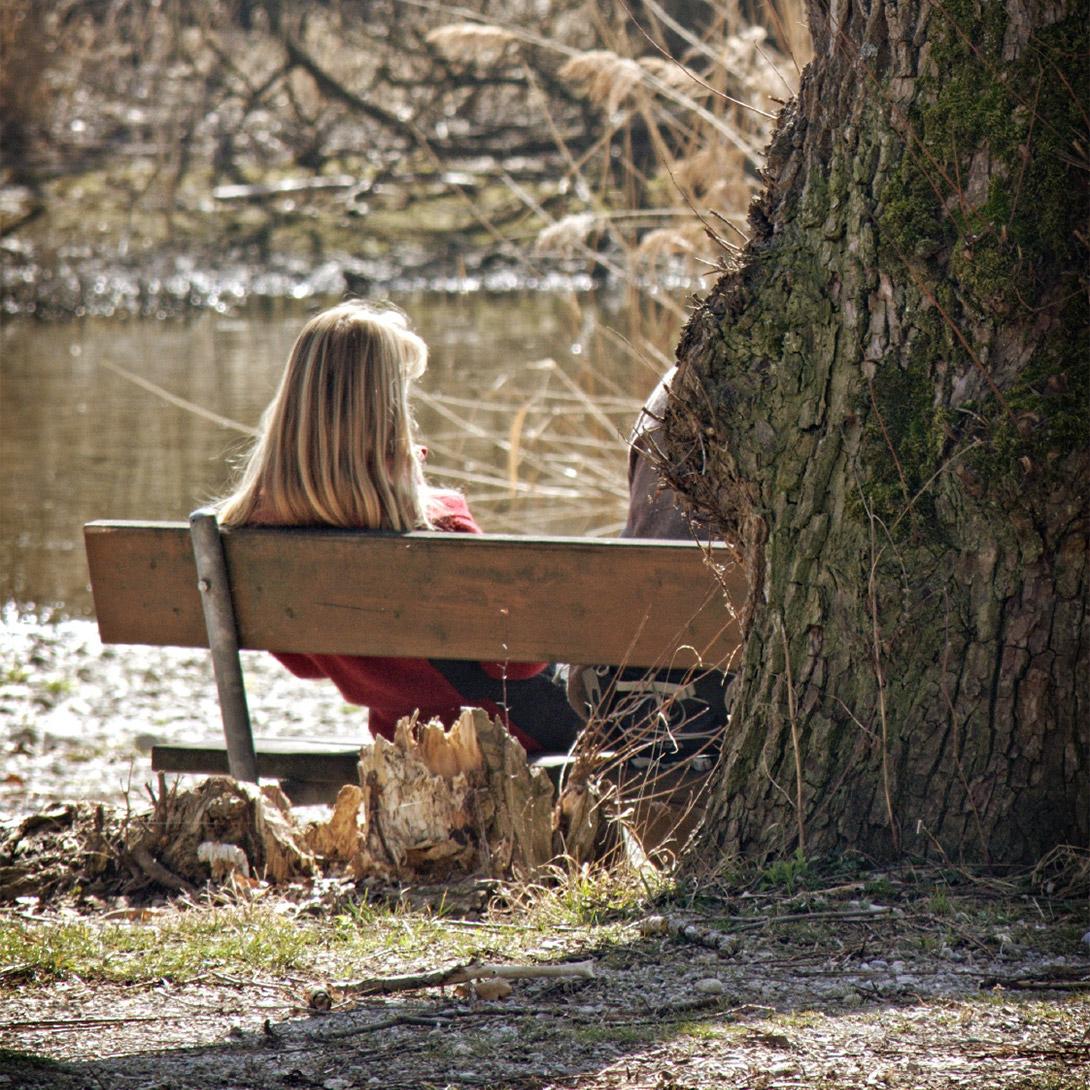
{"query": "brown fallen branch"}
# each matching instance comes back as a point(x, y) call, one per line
point(874, 912)
point(155, 871)
point(461, 974)
point(1060, 978)
point(81, 1023)
point(21, 971)
point(686, 931)
point(285, 187)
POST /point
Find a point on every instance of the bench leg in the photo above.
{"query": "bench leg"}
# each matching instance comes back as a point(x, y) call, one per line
point(219, 620)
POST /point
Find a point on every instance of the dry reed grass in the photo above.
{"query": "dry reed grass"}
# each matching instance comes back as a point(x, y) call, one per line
point(690, 129)
point(543, 452)
point(472, 42)
point(683, 112)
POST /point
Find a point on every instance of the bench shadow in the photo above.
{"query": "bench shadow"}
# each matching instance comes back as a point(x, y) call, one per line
point(649, 1014)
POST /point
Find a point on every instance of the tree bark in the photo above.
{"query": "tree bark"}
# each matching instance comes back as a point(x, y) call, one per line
point(886, 404)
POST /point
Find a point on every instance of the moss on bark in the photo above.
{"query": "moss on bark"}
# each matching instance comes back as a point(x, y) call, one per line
point(885, 402)
point(989, 196)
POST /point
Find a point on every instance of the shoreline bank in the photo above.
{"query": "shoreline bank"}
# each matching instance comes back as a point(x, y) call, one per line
point(77, 719)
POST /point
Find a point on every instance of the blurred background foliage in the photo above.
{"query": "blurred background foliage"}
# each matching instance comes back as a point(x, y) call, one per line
point(164, 157)
point(617, 140)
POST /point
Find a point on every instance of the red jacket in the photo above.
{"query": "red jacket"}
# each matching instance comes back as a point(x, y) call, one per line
point(394, 688)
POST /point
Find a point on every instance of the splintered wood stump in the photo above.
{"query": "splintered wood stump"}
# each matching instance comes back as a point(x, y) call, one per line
point(430, 805)
point(435, 802)
point(189, 832)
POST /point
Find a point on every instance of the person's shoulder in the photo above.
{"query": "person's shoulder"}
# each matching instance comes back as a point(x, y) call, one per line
point(654, 408)
point(659, 397)
point(444, 501)
point(449, 511)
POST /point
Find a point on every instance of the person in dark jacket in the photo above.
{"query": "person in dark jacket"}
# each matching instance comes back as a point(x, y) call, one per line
point(665, 715)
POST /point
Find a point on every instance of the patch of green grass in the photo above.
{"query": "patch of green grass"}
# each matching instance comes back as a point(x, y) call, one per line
point(58, 686)
point(41, 950)
point(788, 874)
point(191, 943)
point(879, 886)
point(707, 1031)
point(619, 1034)
point(594, 897)
point(365, 929)
point(363, 939)
point(183, 949)
point(930, 945)
point(938, 904)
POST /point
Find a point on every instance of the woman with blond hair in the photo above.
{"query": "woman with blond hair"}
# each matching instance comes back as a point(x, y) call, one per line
point(337, 447)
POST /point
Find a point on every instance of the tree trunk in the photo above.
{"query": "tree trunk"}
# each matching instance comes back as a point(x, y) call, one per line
point(886, 402)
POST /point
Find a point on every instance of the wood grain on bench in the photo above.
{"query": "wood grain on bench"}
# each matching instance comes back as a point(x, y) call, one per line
point(311, 760)
point(320, 760)
point(428, 595)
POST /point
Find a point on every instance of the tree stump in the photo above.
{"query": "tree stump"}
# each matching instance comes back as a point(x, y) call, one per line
point(434, 802)
point(187, 828)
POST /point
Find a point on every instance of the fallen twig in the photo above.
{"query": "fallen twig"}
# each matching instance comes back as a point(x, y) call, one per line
point(155, 870)
point(23, 969)
point(82, 1023)
point(280, 986)
point(461, 974)
point(1060, 978)
point(869, 913)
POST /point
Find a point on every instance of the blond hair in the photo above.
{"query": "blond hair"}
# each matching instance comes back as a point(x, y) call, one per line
point(336, 445)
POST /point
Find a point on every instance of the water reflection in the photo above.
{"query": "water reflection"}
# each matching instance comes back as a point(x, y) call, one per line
point(536, 445)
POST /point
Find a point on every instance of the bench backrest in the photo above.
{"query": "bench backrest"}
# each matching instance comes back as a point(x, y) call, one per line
point(428, 595)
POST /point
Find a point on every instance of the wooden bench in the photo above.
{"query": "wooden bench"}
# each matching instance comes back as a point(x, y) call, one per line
point(422, 595)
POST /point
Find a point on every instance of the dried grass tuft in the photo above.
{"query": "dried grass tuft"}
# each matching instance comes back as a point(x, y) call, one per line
point(1064, 872)
point(755, 68)
point(569, 235)
point(664, 244)
point(472, 43)
point(606, 78)
point(670, 74)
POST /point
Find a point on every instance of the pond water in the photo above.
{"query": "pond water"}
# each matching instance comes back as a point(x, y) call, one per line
point(524, 407)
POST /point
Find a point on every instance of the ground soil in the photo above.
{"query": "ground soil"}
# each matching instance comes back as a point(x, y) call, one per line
point(796, 976)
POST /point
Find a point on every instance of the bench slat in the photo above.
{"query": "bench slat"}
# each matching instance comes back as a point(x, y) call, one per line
point(324, 763)
point(433, 595)
point(314, 760)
